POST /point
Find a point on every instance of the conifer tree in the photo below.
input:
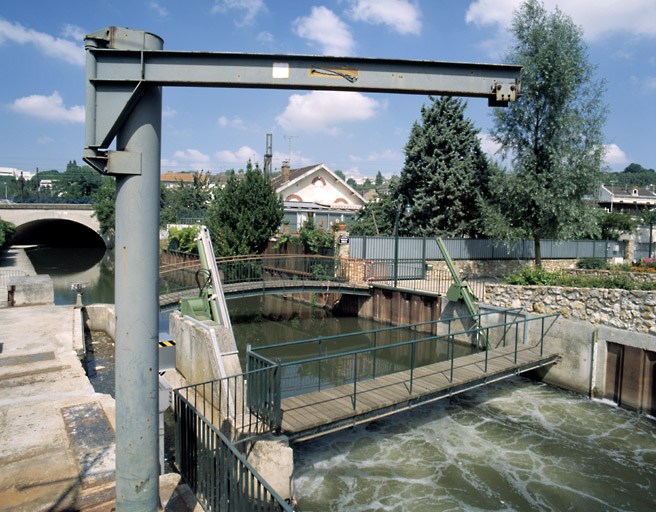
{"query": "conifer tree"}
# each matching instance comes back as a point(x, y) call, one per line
point(445, 175)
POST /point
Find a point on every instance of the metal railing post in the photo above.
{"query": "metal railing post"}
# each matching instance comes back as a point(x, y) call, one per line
point(542, 337)
point(412, 364)
point(373, 371)
point(516, 339)
point(355, 380)
point(487, 351)
point(277, 397)
point(319, 361)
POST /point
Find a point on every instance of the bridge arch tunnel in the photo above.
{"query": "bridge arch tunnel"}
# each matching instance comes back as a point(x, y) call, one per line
point(56, 232)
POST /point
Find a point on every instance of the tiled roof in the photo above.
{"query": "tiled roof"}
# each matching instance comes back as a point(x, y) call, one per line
point(293, 174)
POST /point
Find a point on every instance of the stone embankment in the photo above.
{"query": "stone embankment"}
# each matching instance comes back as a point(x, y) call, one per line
point(631, 310)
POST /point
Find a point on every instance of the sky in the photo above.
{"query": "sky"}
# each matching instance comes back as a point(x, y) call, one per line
point(42, 96)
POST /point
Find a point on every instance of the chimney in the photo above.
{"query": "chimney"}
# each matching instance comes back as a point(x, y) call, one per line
point(285, 171)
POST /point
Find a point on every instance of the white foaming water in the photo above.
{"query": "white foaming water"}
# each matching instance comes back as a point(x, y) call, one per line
point(515, 445)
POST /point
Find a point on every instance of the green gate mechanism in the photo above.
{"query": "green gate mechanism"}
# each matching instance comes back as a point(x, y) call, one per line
point(459, 290)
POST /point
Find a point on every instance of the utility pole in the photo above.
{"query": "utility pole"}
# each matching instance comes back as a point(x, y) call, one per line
point(268, 155)
point(37, 184)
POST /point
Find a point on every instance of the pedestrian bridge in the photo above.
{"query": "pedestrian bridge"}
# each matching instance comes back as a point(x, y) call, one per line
point(309, 388)
point(42, 223)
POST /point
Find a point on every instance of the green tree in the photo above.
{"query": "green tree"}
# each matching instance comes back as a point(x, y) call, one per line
point(103, 202)
point(377, 218)
point(340, 174)
point(553, 134)
point(244, 214)
point(352, 183)
point(615, 224)
point(77, 182)
point(7, 229)
point(379, 179)
point(445, 173)
point(186, 197)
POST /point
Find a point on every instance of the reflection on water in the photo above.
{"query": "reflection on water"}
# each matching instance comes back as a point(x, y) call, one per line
point(69, 264)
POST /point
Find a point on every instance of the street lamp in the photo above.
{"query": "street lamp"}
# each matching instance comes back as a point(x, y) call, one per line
point(407, 212)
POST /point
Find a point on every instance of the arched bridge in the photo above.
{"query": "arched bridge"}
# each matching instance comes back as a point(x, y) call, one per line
point(57, 224)
point(256, 275)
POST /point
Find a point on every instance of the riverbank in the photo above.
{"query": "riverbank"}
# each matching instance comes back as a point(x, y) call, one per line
point(15, 258)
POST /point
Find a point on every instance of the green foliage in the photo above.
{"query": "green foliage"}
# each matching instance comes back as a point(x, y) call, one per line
point(244, 214)
point(540, 277)
point(615, 224)
point(103, 202)
point(553, 134)
point(375, 218)
point(340, 174)
point(312, 238)
point(534, 277)
point(591, 263)
point(634, 175)
point(184, 198)
point(379, 179)
point(7, 229)
point(445, 175)
point(184, 239)
point(77, 182)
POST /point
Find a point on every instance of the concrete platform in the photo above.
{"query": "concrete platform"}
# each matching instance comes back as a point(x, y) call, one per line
point(57, 439)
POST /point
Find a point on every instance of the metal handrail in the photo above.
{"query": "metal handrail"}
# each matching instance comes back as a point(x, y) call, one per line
point(450, 335)
point(382, 329)
point(215, 470)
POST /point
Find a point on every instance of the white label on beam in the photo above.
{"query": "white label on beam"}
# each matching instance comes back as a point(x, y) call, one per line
point(280, 70)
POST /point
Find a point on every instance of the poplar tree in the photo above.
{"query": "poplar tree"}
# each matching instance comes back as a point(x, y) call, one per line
point(553, 134)
point(445, 173)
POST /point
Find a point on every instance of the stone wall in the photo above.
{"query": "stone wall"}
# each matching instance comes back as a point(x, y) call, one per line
point(631, 310)
point(641, 277)
point(494, 268)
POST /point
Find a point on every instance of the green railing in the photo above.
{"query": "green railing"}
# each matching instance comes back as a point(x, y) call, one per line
point(356, 365)
point(248, 269)
point(215, 470)
point(247, 404)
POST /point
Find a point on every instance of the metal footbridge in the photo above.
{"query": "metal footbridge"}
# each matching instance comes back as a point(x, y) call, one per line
point(309, 388)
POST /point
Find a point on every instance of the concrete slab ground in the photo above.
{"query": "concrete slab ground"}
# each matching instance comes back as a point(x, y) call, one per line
point(57, 435)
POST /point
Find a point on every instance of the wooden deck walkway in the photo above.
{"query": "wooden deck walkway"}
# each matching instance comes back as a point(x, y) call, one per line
point(322, 412)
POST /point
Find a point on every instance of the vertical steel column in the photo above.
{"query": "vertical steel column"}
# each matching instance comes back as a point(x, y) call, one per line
point(137, 305)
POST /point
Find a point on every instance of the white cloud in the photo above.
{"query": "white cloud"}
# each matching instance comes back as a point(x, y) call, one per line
point(597, 17)
point(169, 112)
point(615, 156)
point(50, 46)
point(239, 157)
point(400, 15)
point(294, 158)
point(324, 28)
point(322, 111)
point(489, 145)
point(50, 107)
point(235, 122)
point(387, 154)
point(159, 9)
point(265, 37)
point(191, 159)
point(74, 32)
point(251, 9)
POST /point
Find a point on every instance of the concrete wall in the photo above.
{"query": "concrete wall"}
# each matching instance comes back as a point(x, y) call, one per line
point(30, 290)
point(101, 317)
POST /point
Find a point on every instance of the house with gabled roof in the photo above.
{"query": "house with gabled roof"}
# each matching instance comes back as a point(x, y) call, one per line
point(627, 198)
point(316, 189)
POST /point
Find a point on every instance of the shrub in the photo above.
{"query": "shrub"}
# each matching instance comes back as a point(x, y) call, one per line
point(534, 277)
point(591, 263)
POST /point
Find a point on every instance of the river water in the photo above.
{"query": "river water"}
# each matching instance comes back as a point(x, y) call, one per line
point(514, 445)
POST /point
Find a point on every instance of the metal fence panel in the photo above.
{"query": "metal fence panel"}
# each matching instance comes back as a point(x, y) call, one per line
point(414, 248)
